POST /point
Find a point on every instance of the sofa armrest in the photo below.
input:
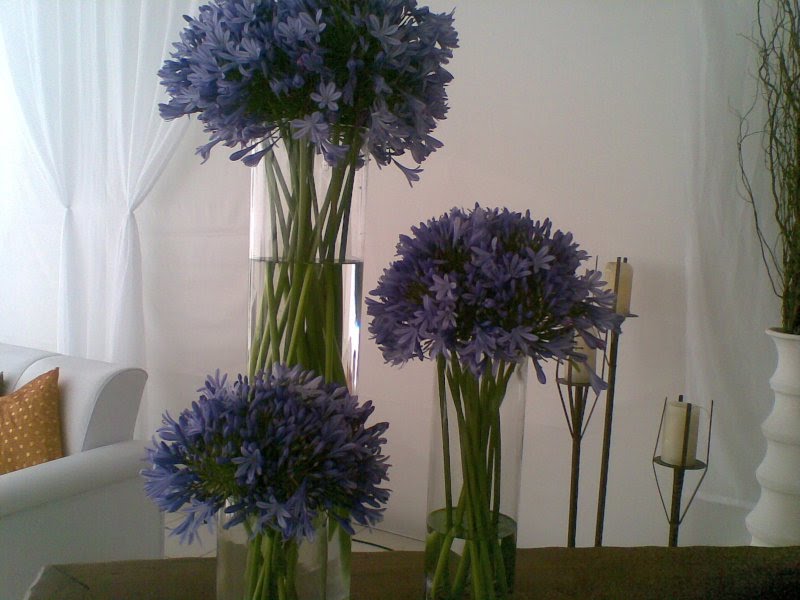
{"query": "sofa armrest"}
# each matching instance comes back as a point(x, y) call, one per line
point(14, 360)
point(69, 476)
point(99, 400)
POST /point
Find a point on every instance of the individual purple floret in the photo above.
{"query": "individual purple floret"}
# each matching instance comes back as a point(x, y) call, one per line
point(282, 449)
point(258, 70)
point(488, 285)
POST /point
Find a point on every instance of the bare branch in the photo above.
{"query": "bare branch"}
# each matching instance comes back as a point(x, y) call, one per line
point(777, 41)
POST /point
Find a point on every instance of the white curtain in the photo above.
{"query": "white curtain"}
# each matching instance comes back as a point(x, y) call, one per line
point(43, 63)
point(29, 235)
point(730, 302)
point(85, 76)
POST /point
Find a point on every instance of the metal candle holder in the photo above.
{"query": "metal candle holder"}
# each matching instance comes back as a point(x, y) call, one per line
point(675, 516)
point(577, 394)
point(610, 360)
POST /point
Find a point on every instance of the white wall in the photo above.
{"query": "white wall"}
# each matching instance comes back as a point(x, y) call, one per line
point(578, 110)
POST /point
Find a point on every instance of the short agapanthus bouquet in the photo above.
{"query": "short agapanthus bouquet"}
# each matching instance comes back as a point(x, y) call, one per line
point(282, 451)
point(487, 287)
point(480, 292)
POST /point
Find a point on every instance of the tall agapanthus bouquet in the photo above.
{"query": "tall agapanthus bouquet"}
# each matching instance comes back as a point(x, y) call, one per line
point(480, 292)
point(339, 74)
point(282, 452)
point(297, 85)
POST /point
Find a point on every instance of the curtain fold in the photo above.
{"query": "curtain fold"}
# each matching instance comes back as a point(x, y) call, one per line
point(137, 36)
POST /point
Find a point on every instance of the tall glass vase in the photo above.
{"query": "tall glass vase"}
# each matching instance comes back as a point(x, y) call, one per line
point(306, 261)
point(306, 268)
point(265, 566)
point(474, 481)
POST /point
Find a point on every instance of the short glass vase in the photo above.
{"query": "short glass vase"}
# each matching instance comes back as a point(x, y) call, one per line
point(267, 567)
point(474, 481)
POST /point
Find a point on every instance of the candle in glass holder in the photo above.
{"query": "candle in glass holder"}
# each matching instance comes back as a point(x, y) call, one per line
point(674, 432)
point(578, 372)
point(623, 291)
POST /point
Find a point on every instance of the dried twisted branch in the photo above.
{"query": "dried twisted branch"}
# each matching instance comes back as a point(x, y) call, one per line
point(777, 39)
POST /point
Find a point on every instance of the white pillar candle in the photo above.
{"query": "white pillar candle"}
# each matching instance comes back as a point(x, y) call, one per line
point(623, 291)
point(674, 429)
point(578, 372)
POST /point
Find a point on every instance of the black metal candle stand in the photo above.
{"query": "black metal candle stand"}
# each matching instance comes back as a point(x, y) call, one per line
point(609, 361)
point(577, 420)
point(675, 515)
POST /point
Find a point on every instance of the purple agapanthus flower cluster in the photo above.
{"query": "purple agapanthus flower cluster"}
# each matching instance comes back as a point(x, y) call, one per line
point(257, 70)
point(282, 449)
point(488, 285)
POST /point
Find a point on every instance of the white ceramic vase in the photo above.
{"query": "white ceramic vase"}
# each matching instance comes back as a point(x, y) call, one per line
point(775, 520)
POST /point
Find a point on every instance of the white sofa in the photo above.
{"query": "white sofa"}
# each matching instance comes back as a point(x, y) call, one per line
point(89, 505)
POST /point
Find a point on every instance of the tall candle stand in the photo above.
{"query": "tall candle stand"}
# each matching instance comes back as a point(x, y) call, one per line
point(610, 360)
point(686, 462)
point(577, 421)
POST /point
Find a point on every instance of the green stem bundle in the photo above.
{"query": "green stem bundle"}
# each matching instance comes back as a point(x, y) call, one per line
point(274, 569)
point(483, 571)
point(299, 283)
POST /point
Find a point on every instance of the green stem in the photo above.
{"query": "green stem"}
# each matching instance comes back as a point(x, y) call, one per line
point(478, 583)
point(460, 579)
point(331, 350)
point(292, 555)
point(442, 563)
point(265, 578)
point(500, 575)
point(448, 486)
point(253, 559)
point(260, 336)
point(344, 220)
point(345, 552)
point(274, 177)
point(322, 557)
point(299, 309)
point(305, 176)
point(272, 301)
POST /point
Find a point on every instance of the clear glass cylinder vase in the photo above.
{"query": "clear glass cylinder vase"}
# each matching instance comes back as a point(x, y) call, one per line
point(474, 481)
point(306, 261)
point(266, 567)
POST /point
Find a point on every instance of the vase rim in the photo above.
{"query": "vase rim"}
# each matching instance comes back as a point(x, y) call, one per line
point(777, 332)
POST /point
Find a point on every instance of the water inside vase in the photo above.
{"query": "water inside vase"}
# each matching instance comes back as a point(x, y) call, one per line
point(504, 546)
point(318, 303)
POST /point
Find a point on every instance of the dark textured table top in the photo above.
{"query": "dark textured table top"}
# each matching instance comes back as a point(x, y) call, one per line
point(629, 573)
